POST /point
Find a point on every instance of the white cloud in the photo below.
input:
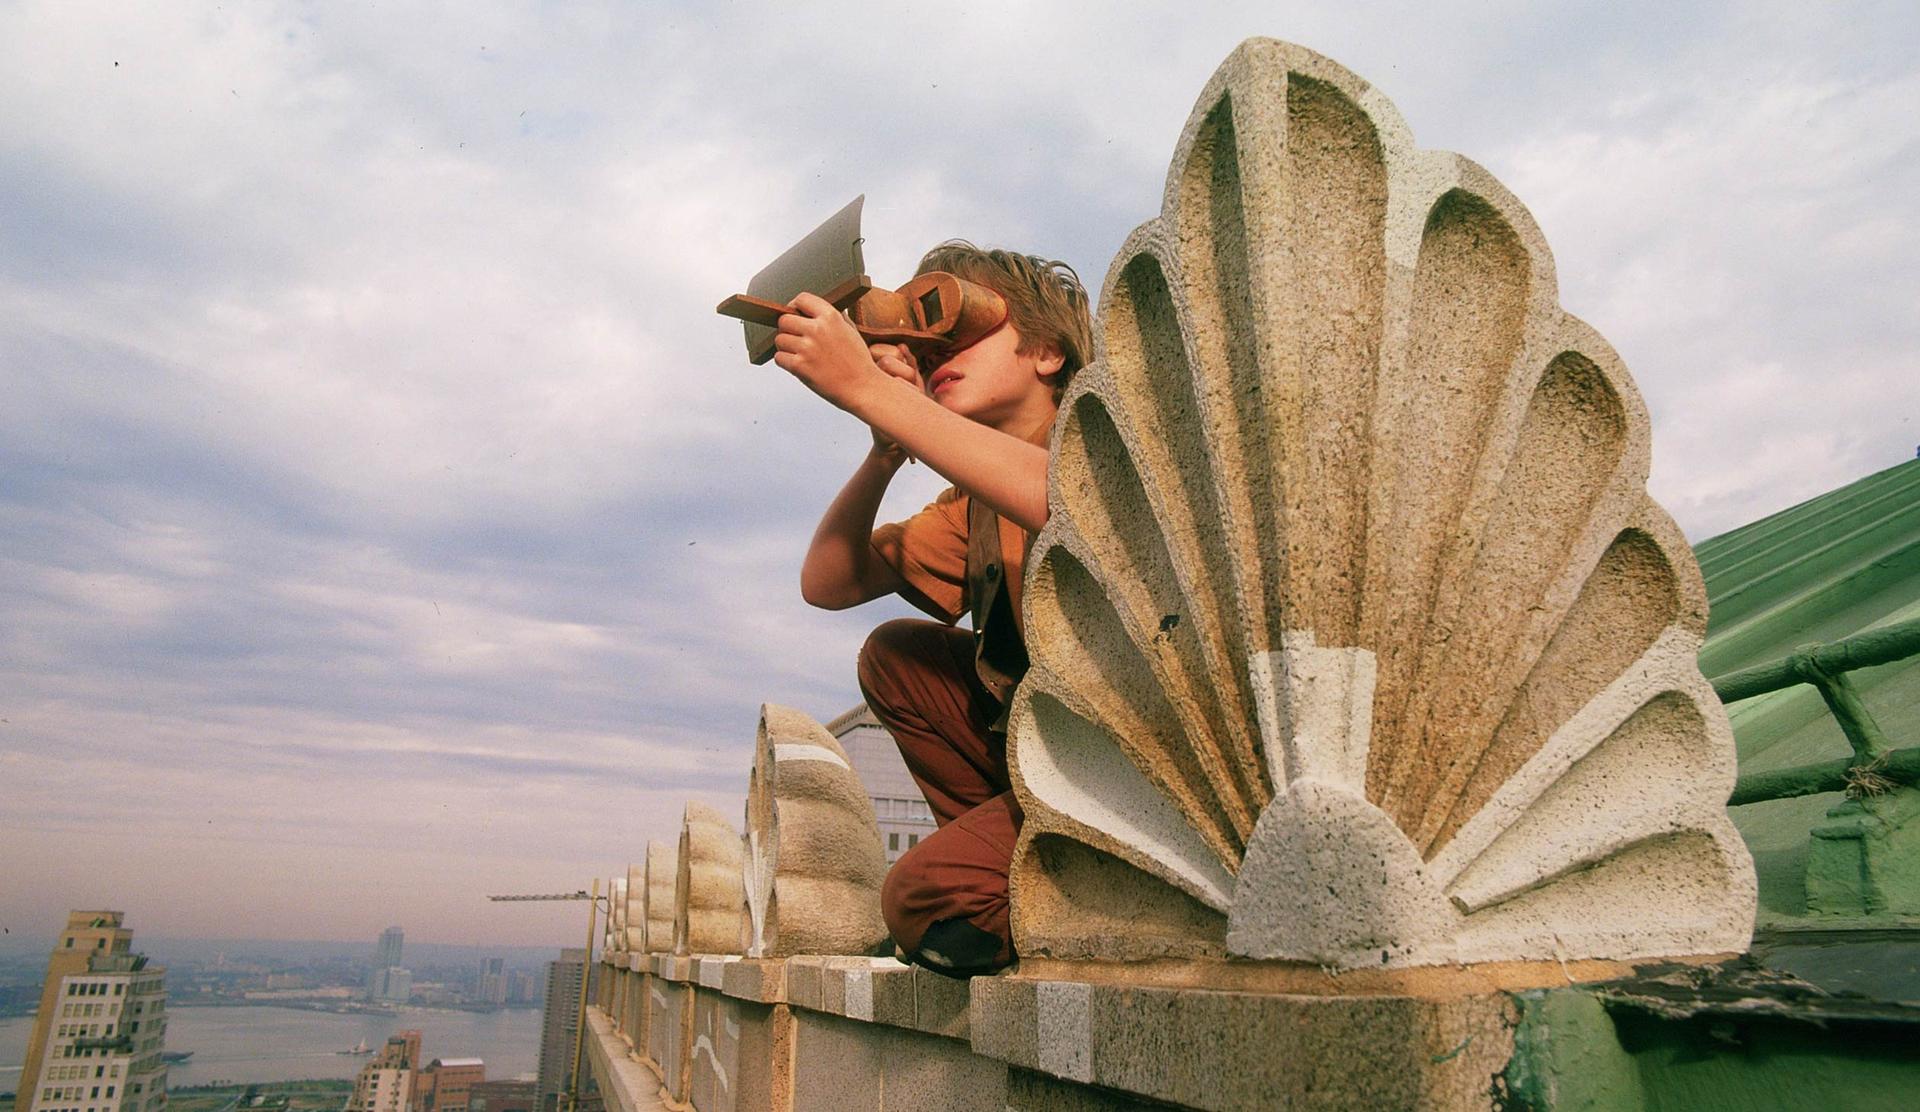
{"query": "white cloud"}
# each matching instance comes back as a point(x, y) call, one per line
point(377, 474)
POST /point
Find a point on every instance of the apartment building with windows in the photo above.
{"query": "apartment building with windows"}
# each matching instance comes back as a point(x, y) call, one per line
point(385, 1084)
point(96, 1040)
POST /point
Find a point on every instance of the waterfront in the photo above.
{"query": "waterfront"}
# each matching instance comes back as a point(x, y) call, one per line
point(248, 1044)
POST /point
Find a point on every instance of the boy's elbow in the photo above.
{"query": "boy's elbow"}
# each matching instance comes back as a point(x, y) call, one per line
point(822, 596)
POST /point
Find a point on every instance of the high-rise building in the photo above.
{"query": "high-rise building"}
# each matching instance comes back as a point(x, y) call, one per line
point(387, 982)
point(96, 1041)
point(385, 1083)
point(898, 803)
point(392, 941)
point(559, 1026)
point(493, 981)
point(522, 988)
point(390, 985)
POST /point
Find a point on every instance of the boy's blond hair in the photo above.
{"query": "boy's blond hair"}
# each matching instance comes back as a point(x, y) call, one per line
point(1045, 301)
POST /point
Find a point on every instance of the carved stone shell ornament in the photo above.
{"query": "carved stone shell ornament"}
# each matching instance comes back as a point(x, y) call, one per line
point(709, 901)
point(616, 934)
point(635, 911)
point(1357, 639)
point(813, 859)
point(662, 873)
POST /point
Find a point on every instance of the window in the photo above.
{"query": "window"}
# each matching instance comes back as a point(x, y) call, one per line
point(913, 840)
point(893, 842)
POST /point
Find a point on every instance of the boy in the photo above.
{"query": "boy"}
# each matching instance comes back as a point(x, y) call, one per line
point(981, 417)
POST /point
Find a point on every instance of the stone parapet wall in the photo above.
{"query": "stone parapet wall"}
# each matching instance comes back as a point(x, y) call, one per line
point(720, 1033)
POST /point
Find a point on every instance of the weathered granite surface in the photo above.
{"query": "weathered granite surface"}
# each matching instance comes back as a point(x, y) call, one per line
point(709, 901)
point(814, 861)
point(633, 911)
point(1357, 639)
point(616, 926)
point(662, 875)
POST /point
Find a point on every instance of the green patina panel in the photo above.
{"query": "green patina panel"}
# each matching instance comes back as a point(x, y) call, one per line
point(1830, 568)
point(1576, 1051)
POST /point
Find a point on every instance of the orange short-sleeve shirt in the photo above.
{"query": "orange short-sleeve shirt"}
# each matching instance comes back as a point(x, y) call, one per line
point(929, 552)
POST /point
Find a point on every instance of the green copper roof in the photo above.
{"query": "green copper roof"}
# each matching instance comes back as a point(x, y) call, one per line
point(1836, 565)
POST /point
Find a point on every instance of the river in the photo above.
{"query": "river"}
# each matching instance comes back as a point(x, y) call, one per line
point(247, 1044)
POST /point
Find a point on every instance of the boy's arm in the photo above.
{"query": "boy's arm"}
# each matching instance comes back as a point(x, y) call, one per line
point(824, 351)
point(840, 569)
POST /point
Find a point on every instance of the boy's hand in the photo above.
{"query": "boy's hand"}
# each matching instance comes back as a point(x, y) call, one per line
point(821, 348)
point(897, 360)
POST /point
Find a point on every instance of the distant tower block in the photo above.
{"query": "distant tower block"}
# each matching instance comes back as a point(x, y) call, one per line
point(1357, 640)
point(392, 941)
point(634, 911)
point(709, 905)
point(663, 873)
point(814, 862)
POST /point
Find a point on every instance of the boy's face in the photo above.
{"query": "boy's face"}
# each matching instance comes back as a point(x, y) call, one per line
point(992, 383)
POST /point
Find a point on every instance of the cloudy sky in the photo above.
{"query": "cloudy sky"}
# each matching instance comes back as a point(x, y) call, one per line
point(387, 520)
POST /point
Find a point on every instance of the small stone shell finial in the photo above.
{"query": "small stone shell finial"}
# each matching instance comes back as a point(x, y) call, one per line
point(634, 911)
point(709, 904)
point(616, 937)
point(814, 861)
point(662, 875)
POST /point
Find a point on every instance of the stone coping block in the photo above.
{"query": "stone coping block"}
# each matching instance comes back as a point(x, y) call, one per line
point(1212, 1049)
point(759, 980)
point(940, 1004)
point(803, 981)
point(708, 971)
point(867, 989)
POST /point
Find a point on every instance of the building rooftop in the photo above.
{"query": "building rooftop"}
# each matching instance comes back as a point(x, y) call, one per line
point(1826, 569)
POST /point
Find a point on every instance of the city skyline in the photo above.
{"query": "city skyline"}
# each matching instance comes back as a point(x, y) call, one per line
point(390, 522)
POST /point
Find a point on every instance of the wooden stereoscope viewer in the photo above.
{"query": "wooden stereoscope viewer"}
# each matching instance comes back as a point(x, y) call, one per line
point(934, 314)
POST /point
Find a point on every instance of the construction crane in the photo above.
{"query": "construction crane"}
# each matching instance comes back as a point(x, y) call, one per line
point(593, 899)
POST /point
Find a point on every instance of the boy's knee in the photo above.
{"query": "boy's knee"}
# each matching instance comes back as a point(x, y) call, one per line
point(890, 643)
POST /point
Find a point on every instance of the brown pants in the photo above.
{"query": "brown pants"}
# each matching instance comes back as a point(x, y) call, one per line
point(918, 677)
